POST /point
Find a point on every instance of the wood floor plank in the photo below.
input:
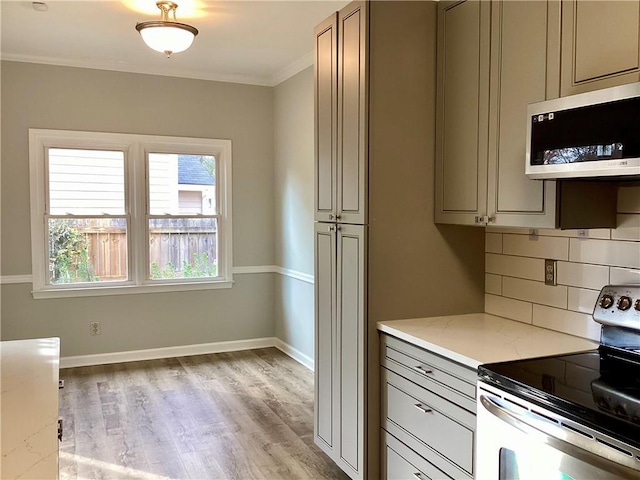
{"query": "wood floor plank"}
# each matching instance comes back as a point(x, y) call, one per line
point(236, 415)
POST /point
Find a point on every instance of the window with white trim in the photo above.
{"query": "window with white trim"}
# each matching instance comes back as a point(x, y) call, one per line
point(121, 213)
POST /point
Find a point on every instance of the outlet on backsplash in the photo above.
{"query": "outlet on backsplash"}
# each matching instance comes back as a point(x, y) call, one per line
point(550, 272)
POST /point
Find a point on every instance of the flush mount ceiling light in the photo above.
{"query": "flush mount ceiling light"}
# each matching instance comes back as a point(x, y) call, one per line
point(164, 35)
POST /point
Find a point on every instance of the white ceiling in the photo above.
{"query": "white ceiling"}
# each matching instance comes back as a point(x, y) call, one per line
point(257, 42)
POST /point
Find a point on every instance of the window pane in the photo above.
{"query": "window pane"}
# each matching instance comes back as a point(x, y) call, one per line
point(87, 250)
point(183, 248)
point(182, 184)
point(86, 182)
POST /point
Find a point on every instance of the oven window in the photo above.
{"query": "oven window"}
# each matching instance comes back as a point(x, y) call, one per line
point(513, 467)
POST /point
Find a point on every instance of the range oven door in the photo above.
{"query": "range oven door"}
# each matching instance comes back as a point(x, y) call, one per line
point(523, 442)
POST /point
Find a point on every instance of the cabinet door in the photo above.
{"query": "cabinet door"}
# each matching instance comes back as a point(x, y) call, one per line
point(351, 347)
point(600, 44)
point(326, 128)
point(525, 54)
point(352, 114)
point(325, 418)
point(462, 111)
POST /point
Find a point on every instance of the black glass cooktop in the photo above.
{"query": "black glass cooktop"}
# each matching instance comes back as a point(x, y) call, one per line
point(599, 388)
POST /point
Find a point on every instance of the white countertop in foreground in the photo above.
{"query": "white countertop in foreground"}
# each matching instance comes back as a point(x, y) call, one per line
point(29, 408)
point(478, 338)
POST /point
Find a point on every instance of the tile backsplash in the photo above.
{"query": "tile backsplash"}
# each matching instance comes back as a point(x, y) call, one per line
point(586, 261)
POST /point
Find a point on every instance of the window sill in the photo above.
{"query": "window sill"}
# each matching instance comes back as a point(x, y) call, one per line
point(128, 289)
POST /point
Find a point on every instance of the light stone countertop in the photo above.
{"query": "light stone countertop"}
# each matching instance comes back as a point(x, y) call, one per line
point(29, 408)
point(478, 338)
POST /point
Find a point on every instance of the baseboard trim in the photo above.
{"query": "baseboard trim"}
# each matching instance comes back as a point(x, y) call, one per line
point(184, 351)
point(166, 352)
point(297, 355)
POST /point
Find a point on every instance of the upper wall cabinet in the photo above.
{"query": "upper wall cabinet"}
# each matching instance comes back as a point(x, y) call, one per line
point(494, 59)
point(600, 44)
point(341, 116)
point(525, 55)
point(462, 111)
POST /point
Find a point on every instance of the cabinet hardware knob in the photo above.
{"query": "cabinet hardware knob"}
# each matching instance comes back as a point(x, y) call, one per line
point(422, 370)
point(331, 216)
point(338, 216)
point(332, 228)
point(422, 408)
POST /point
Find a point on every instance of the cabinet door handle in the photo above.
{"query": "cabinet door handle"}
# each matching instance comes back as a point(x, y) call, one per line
point(60, 428)
point(332, 228)
point(422, 370)
point(331, 216)
point(338, 216)
point(484, 219)
point(422, 408)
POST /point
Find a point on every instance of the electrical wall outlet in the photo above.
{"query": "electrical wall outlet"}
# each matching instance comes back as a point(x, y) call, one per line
point(550, 272)
point(95, 328)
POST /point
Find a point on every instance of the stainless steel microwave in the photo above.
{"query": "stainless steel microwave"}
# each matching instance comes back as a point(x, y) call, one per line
point(595, 134)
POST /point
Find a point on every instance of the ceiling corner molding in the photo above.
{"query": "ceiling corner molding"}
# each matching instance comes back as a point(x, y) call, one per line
point(125, 68)
point(292, 69)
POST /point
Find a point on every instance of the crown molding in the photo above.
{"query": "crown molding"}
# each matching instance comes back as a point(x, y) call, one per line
point(263, 81)
point(118, 67)
point(292, 69)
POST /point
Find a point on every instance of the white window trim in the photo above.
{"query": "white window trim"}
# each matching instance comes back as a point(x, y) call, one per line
point(135, 148)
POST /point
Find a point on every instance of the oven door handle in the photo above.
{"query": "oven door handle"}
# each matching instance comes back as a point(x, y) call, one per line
point(585, 454)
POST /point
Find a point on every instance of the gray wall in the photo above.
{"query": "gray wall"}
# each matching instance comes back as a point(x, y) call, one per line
point(41, 96)
point(293, 180)
point(416, 268)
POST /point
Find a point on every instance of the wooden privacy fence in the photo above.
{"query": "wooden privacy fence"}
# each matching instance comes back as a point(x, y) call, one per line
point(107, 250)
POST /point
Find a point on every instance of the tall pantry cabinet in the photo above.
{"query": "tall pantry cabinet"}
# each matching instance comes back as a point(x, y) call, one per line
point(378, 253)
point(340, 236)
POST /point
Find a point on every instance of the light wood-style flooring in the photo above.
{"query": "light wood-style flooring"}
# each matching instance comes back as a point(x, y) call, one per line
point(240, 415)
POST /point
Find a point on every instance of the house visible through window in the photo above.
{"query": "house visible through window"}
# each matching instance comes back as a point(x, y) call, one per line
point(87, 216)
point(117, 213)
point(182, 234)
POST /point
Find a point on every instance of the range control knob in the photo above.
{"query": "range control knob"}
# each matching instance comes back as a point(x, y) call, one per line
point(637, 305)
point(624, 303)
point(606, 301)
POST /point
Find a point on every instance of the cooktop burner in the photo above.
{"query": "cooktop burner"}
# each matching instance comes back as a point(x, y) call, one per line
point(599, 388)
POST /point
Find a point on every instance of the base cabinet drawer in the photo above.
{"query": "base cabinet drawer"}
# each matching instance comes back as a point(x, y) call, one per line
point(402, 463)
point(428, 414)
point(420, 417)
point(444, 377)
point(425, 420)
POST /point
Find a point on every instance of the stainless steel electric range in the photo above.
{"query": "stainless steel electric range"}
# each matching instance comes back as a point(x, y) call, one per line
point(566, 417)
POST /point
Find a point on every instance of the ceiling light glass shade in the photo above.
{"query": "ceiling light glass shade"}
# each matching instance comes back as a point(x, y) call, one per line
point(164, 35)
point(167, 37)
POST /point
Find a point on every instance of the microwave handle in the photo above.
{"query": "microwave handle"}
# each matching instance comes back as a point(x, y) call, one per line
point(519, 422)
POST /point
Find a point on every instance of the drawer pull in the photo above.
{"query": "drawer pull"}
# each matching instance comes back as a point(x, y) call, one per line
point(422, 408)
point(422, 370)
